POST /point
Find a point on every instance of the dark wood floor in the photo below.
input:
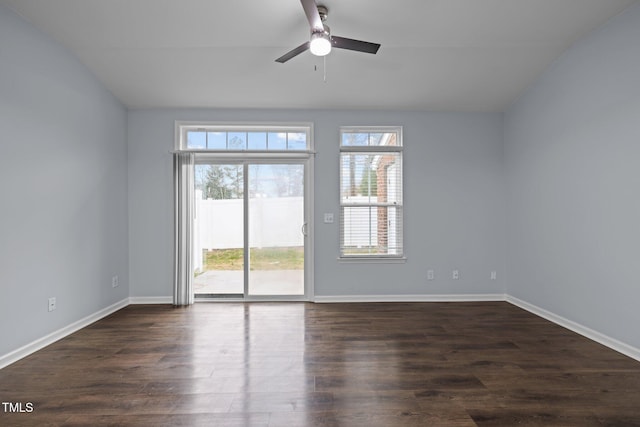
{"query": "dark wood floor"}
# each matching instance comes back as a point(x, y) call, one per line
point(299, 364)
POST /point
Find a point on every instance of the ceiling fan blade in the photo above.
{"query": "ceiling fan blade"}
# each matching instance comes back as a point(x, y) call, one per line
point(351, 44)
point(293, 53)
point(313, 16)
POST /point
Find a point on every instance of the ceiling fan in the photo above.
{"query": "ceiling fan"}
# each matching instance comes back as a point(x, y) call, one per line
point(321, 40)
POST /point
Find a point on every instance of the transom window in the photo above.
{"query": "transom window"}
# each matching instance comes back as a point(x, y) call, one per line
point(371, 192)
point(213, 137)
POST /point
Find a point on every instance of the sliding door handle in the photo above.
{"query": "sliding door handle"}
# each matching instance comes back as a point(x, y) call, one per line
point(304, 229)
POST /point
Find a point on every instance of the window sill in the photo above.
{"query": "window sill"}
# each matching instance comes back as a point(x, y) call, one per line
point(372, 260)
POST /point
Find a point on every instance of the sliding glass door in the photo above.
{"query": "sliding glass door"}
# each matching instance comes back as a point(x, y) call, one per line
point(276, 229)
point(250, 230)
point(218, 232)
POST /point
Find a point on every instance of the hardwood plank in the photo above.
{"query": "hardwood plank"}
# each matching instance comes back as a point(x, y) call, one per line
point(302, 364)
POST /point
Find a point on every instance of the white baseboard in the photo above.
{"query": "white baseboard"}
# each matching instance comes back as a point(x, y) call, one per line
point(40, 343)
point(151, 300)
point(409, 298)
point(596, 336)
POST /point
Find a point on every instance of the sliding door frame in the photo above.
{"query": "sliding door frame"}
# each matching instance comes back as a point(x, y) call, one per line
point(246, 159)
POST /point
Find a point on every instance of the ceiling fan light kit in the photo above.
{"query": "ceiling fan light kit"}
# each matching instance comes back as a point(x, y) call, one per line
point(320, 44)
point(321, 40)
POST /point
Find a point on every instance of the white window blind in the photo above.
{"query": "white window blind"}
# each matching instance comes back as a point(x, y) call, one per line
point(371, 192)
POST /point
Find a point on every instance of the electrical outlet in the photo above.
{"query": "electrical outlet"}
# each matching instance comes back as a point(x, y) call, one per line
point(52, 303)
point(430, 274)
point(115, 282)
point(328, 218)
point(494, 275)
point(456, 274)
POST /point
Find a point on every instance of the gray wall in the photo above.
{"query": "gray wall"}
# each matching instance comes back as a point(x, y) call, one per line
point(72, 155)
point(572, 145)
point(454, 201)
point(63, 188)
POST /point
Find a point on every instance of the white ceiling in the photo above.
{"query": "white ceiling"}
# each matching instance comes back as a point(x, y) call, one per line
point(443, 55)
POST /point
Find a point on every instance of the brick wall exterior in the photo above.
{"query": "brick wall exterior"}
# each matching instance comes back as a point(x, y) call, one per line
point(383, 221)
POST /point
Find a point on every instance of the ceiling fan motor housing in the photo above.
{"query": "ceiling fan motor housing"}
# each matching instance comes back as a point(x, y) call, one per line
point(323, 12)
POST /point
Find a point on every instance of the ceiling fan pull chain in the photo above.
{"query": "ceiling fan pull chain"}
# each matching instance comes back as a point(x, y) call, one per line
point(324, 60)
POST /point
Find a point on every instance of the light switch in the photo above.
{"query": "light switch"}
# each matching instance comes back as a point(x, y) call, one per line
point(328, 218)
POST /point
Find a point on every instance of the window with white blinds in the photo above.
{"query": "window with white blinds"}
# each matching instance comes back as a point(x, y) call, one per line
point(371, 192)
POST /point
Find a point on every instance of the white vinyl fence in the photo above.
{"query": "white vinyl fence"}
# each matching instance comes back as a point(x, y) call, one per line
point(273, 222)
